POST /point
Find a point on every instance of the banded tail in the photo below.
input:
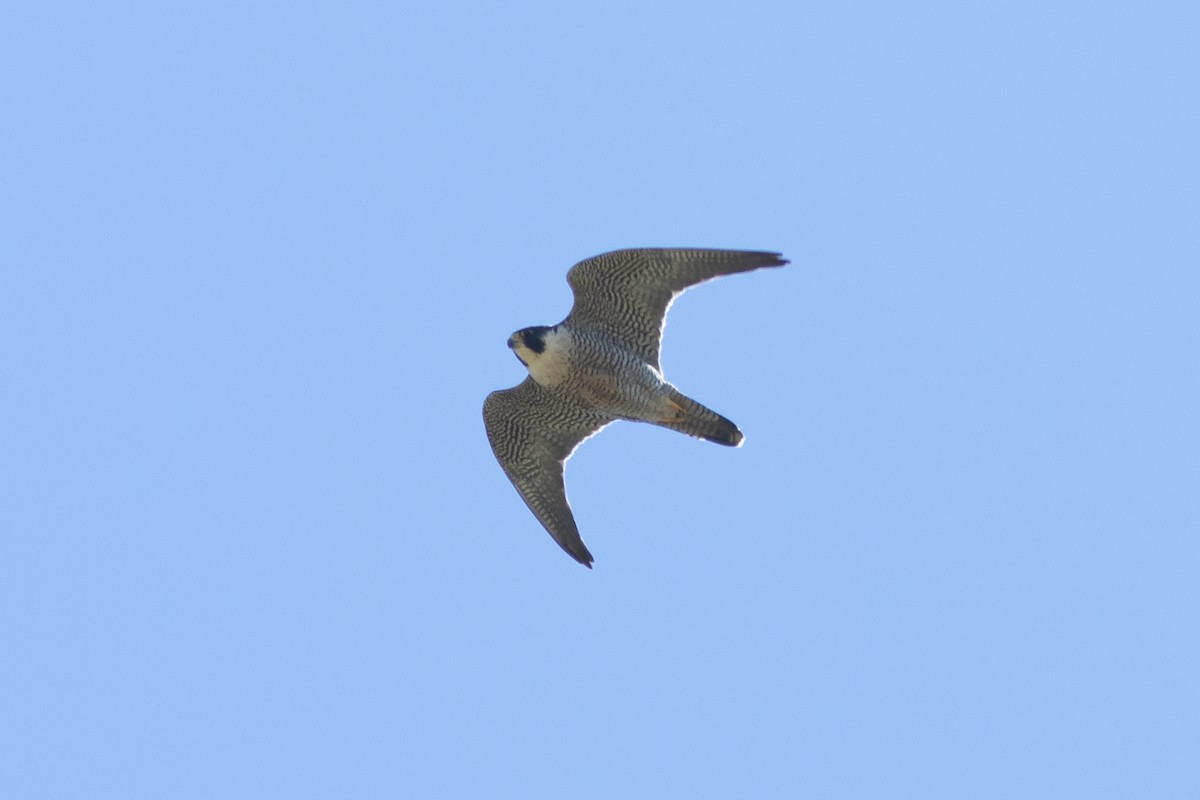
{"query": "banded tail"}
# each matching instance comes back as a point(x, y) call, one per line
point(688, 416)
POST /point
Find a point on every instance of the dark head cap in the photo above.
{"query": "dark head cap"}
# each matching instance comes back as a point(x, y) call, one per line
point(534, 338)
point(531, 339)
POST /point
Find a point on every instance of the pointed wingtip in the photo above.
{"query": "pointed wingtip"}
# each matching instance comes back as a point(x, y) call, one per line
point(582, 555)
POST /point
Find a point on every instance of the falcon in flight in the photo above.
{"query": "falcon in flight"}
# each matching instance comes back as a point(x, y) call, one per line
point(599, 365)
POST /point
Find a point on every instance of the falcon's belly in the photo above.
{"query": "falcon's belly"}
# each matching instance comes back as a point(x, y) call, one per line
point(617, 382)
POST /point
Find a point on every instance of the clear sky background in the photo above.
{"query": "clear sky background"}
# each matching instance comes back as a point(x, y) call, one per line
point(259, 265)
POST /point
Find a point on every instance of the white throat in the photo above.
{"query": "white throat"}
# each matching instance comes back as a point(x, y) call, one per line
point(551, 366)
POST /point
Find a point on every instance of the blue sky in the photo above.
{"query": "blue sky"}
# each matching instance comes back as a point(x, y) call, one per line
point(260, 264)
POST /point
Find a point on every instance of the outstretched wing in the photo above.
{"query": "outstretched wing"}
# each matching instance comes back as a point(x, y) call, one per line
point(533, 431)
point(626, 293)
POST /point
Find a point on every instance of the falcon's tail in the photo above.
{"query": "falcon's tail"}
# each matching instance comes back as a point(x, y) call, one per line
point(688, 416)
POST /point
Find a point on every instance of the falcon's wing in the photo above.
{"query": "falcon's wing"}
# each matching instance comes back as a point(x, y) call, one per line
point(626, 293)
point(533, 431)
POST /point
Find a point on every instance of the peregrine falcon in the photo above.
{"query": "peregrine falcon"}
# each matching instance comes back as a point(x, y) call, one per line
point(599, 365)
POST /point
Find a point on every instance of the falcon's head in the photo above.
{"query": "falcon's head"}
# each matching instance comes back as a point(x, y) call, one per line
point(529, 343)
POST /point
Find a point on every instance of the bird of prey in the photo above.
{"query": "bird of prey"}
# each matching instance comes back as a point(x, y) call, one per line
point(599, 365)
